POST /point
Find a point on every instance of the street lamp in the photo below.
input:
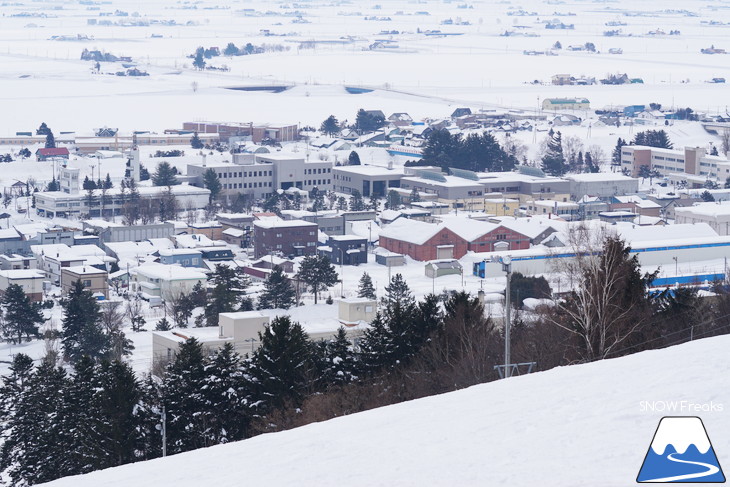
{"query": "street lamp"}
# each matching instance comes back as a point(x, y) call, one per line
point(506, 262)
point(252, 340)
point(676, 266)
point(342, 276)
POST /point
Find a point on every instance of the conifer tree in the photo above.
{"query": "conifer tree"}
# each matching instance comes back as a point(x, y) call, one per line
point(340, 362)
point(184, 399)
point(278, 292)
point(226, 394)
point(553, 162)
point(616, 155)
point(317, 273)
point(195, 141)
point(212, 183)
point(21, 316)
point(228, 288)
point(281, 364)
point(356, 202)
point(164, 175)
point(82, 331)
point(365, 288)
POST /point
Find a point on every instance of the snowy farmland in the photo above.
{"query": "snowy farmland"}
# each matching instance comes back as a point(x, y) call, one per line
point(424, 70)
point(586, 425)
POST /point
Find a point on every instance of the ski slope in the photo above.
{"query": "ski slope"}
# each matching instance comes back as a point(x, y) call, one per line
point(584, 425)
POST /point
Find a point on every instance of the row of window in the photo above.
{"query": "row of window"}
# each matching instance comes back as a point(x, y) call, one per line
point(326, 170)
point(265, 184)
point(311, 182)
point(246, 174)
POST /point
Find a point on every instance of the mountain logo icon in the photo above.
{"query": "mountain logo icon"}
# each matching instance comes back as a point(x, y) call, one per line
point(681, 452)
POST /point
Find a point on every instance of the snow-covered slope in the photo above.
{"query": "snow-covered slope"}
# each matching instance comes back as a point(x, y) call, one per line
point(575, 426)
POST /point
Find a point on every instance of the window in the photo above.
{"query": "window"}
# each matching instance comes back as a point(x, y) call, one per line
point(87, 282)
point(278, 246)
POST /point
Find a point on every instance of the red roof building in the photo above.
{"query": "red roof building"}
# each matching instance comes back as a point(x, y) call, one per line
point(47, 153)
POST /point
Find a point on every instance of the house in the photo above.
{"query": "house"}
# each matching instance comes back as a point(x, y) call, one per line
point(389, 259)
point(15, 261)
point(562, 79)
point(51, 153)
point(270, 261)
point(31, 280)
point(241, 329)
point(182, 257)
point(285, 237)
point(445, 267)
point(354, 311)
point(565, 120)
point(636, 205)
point(460, 112)
point(212, 230)
point(235, 236)
point(93, 279)
point(165, 281)
point(345, 250)
point(366, 179)
point(601, 184)
point(400, 119)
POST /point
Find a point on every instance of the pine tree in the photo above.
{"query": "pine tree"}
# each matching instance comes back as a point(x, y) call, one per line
point(188, 425)
point(553, 162)
point(163, 325)
point(88, 184)
point(393, 200)
point(212, 183)
point(713, 151)
point(330, 126)
point(415, 197)
point(278, 292)
point(317, 273)
point(195, 141)
point(36, 442)
point(225, 392)
point(50, 141)
point(108, 182)
point(281, 363)
point(616, 155)
point(353, 159)
point(164, 175)
point(21, 316)
point(82, 331)
point(356, 202)
point(340, 362)
point(228, 287)
point(53, 185)
point(365, 288)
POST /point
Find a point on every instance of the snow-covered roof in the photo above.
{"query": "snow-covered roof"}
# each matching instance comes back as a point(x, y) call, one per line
point(366, 170)
point(279, 223)
point(711, 209)
point(84, 270)
point(193, 241)
point(169, 272)
point(22, 274)
point(171, 252)
point(233, 232)
point(587, 177)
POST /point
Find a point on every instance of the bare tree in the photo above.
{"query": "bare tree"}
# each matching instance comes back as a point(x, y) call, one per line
point(572, 145)
point(112, 319)
point(180, 307)
point(606, 302)
point(133, 312)
point(191, 212)
point(725, 141)
point(598, 154)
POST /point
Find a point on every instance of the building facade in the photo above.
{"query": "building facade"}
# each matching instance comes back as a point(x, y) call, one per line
point(284, 237)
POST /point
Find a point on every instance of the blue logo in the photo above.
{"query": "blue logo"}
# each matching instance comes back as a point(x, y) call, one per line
point(681, 452)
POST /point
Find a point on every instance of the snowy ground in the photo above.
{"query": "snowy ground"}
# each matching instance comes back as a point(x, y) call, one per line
point(584, 425)
point(425, 75)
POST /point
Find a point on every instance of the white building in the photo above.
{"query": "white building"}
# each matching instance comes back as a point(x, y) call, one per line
point(64, 205)
point(259, 175)
point(31, 280)
point(165, 281)
point(716, 215)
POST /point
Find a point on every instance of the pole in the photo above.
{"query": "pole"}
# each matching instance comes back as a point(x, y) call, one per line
point(507, 321)
point(164, 432)
point(342, 275)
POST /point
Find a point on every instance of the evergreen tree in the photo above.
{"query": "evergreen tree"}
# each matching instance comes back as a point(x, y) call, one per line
point(653, 138)
point(342, 203)
point(317, 273)
point(108, 182)
point(231, 50)
point(195, 141)
point(356, 202)
point(226, 394)
point(340, 362)
point(21, 316)
point(163, 325)
point(43, 129)
point(393, 200)
point(188, 420)
point(144, 174)
point(199, 295)
point(590, 166)
point(365, 288)
point(330, 126)
point(228, 287)
point(353, 159)
point(281, 364)
point(553, 162)
point(713, 151)
point(168, 205)
point(88, 184)
point(164, 175)
point(36, 440)
point(415, 197)
point(53, 185)
point(616, 155)
point(212, 183)
point(707, 196)
point(50, 141)
point(368, 121)
point(278, 292)
point(198, 59)
point(82, 331)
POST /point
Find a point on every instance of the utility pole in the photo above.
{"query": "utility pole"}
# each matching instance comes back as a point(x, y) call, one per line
point(506, 262)
point(164, 432)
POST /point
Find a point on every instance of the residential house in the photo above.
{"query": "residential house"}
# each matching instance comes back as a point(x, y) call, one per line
point(284, 237)
point(165, 281)
point(181, 257)
point(31, 280)
point(51, 153)
point(93, 279)
point(345, 250)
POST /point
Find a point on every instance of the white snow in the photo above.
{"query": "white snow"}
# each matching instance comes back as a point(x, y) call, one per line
point(586, 425)
point(680, 432)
